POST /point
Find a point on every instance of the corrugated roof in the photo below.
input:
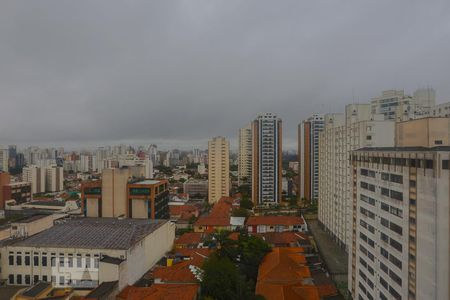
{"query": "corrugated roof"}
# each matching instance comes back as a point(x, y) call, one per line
point(94, 233)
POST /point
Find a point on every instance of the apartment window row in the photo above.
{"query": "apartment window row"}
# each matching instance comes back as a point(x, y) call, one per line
point(368, 173)
point(392, 178)
point(391, 209)
point(367, 226)
point(367, 186)
point(366, 266)
point(392, 194)
point(69, 262)
point(403, 162)
point(391, 225)
point(367, 213)
point(367, 199)
point(366, 239)
point(367, 253)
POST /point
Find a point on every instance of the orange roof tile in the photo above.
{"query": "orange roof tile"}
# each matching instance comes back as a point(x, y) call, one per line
point(283, 238)
point(160, 292)
point(190, 238)
point(283, 274)
point(274, 220)
point(178, 210)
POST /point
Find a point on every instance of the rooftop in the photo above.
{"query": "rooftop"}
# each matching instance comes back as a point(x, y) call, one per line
point(36, 289)
point(274, 220)
point(160, 292)
point(102, 291)
point(148, 181)
point(93, 233)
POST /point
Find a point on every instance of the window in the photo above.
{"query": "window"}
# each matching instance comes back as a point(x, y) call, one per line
point(19, 261)
point(78, 262)
point(429, 164)
point(61, 261)
point(396, 245)
point(384, 268)
point(395, 228)
point(70, 262)
point(385, 176)
point(27, 279)
point(384, 252)
point(396, 195)
point(35, 261)
point(395, 277)
point(11, 278)
point(19, 279)
point(384, 222)
point(44, 261)
point(35, 278)
point(44, 278)
point(384, 206)
point(27, 260)
point(61, 280)
point(11, 260)
point(384, 283)
point(412, 183)
point(385, 192)
point(53, 261)
point(394, 293)
point(395, 261)
point(445, 164)
point(397, 178)
point(88, 262)
point(396, 211)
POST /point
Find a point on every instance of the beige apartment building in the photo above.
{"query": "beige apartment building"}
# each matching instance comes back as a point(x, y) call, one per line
point(36, 175)
point(218, 169)
point(426, 132)
point(400, 223)
point(54, 179)
point(245, 155)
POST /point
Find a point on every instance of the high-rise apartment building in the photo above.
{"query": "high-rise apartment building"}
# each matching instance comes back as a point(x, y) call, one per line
point(342, 133)
point(119, 195)
point(425, 132)
point(4, 159)
point(400, 223)
point(266, 159)
point(245, 155)
point(36, 175)
point(54, 179)
point(308, 154)
point(396, 105)
point(218, 169)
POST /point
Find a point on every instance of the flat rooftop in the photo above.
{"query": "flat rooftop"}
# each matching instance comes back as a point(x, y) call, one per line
point(404, 149)
point(148, 181)
point(93, 233)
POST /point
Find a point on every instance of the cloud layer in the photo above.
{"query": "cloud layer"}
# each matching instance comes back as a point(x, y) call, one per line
point(180, 72)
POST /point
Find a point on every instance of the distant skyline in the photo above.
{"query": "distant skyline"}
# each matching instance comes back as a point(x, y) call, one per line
point(176, 73)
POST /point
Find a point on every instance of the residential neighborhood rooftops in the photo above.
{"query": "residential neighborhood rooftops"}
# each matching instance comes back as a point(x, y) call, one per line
point(93, 233)
point(190, 238)
point(275, 220)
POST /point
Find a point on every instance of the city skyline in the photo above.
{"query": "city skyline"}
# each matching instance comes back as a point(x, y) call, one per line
point(123, 72)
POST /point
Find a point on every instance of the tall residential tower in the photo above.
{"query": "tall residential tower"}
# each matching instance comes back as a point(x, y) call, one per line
point(245, 155)
point(218, 169)
point(266, 159)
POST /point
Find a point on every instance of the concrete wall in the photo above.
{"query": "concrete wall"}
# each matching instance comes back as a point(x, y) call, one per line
point(427, 132)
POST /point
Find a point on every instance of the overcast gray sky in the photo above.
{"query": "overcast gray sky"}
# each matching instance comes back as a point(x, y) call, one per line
point(179, 72)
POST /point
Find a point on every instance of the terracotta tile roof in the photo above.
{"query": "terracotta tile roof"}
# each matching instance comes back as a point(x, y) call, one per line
point(193, 252)
point(234, 236)
point(274, 220)
point(180, 272)
point(284, 274)
point(286, 238)
point(183, 211)
point(220, 213)
point(160, 292)
point(190, 238)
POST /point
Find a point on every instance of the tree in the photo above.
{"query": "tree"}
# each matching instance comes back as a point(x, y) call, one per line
point(240, 212)
point(222, 280)
point(246, 203)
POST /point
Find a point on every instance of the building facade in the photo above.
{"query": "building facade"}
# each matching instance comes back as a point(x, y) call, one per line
point(266, 159)
point(342, 133)
point(245, 155)
point(36, 175)
point(54, 179)
point(4, 159)
point(218, 169)
point(118, 195)
point(308, 153)
point(400, 223)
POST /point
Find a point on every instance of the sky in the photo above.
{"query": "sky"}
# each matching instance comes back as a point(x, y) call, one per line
point(176, 73)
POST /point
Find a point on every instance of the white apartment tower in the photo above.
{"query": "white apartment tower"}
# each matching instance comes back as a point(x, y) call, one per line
point(36, 175)
point(245, 155)
point(266, 159)
point(218, 169)
point(400, 223)
point(308, 152)
point(54, 179)
point(343, 133)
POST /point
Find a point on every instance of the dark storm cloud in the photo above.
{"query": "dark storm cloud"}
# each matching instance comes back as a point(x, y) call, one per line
point(88, 72)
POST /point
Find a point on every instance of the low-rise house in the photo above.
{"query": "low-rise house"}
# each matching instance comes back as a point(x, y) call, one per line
point(284, 274)
point(219, 218)
point(183, 215)
point(286, 239)
point(262, 224)
point(189, 240)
